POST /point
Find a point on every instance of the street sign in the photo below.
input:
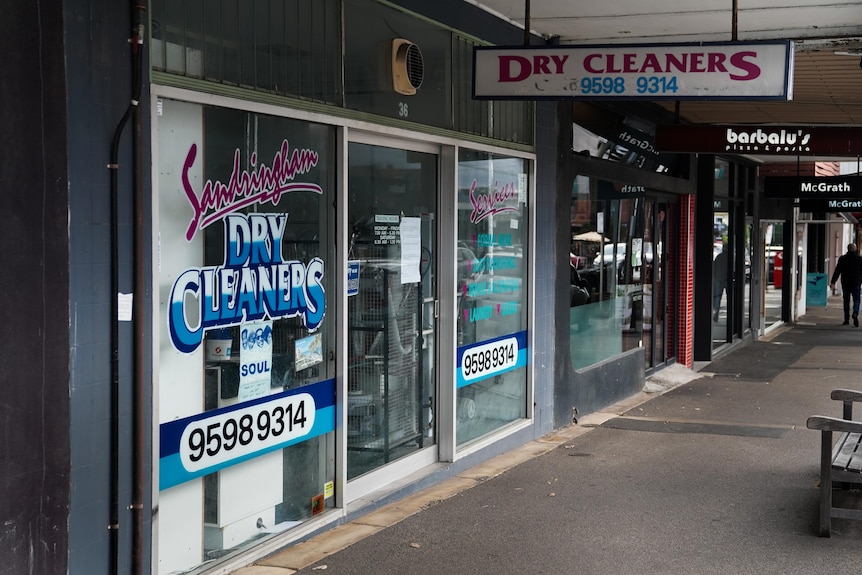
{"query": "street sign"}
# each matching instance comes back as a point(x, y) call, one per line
point(697, 71)
point(760, 140)
point(813, 187)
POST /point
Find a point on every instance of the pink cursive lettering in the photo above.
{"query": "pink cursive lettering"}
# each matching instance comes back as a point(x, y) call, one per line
point(485, 205)
point(260, 185)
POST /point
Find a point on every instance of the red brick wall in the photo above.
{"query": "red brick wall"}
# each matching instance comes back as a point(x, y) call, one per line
point(801, 169)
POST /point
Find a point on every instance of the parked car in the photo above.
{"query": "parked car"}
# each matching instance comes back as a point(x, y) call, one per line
point(608, 254)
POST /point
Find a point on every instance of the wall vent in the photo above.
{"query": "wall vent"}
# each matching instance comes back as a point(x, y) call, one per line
point(408, 68)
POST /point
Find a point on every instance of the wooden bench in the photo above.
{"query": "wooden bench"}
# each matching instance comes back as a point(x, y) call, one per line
point(841, 462)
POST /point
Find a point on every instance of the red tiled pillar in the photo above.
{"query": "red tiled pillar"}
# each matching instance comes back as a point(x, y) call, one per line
point(685, 302)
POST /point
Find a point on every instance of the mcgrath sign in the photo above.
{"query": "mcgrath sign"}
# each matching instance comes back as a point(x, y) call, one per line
point(813, 187)
point(817, 193)
point(704, 71)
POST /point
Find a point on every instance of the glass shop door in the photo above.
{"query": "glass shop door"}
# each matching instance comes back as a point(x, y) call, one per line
point(392, 291)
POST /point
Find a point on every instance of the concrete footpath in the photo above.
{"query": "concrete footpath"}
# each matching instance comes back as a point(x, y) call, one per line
point(714, 472)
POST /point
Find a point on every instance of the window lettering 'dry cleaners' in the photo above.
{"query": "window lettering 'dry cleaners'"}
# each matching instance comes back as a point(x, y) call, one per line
point(253, 284)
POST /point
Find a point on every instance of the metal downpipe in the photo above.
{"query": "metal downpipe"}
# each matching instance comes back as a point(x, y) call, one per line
point(139, 313)
point(136, 43)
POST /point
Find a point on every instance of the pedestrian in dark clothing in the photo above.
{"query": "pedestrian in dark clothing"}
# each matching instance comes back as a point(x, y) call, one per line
point(849, 267)
point(719, 280)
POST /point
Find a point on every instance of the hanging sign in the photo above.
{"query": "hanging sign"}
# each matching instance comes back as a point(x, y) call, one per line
point(835, 205)
point(813, 187)
point(761, 140)
point(700, 71)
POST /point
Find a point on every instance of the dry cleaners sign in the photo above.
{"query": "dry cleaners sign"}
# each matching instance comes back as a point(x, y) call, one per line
point(707, 71)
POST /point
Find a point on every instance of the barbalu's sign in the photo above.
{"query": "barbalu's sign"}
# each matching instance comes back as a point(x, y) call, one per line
point(706, 70)
point(760, 140)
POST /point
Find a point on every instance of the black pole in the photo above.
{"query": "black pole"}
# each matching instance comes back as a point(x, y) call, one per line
point(139, 282)
point(734, 33)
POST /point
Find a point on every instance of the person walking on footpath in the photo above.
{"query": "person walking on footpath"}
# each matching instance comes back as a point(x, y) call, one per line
point(719, 279)
point(849, 267)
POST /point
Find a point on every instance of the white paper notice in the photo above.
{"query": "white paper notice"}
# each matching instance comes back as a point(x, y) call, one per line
point(124, 306)
point(411, 249)
point(522, 189)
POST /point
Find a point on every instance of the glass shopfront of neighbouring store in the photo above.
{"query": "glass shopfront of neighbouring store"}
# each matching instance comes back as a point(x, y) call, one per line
point(624, 241)
point(621, 296)
point(732, 251)
point(294, 375)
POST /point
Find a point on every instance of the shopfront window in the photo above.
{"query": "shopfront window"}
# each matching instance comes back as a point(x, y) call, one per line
point(772, 233)
point(720, 273)
point(722, 257)
point(246, 389)
point(747, 318)
point(285, 48)
point(492, 252)
point(612, 258)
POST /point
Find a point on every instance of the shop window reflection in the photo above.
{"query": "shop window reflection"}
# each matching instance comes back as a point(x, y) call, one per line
point(493, 234)
point(622, 264)
point(611, 258)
